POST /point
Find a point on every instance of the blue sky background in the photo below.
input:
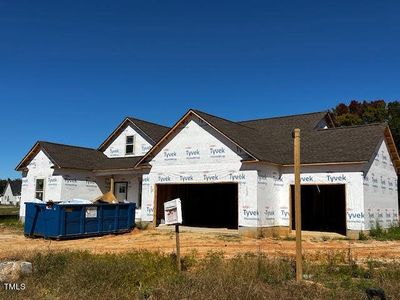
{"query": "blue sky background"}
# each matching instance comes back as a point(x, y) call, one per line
point(70, 71)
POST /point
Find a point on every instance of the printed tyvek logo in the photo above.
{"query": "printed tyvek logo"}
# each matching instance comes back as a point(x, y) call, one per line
point(71, 181)
point(169, 155)
point(149, 211)
point(210, 177)
point(340, 178)
point(164, 178)
point(216, 152)
point(384, 158)
point(114, 151)
point(186, 178)
point(145, 148)
point(90, 182)
point(269, 214)
point(307, 179)
point(355, 217)
point(192, 153)
point(383, 183)
point(237, 177)
point(52, 181)
point(374, 181)
point(262, 179)
point(251, 214)
point(284, 212)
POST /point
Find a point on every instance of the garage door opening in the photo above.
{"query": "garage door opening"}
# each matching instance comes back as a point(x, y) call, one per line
point(323, 208)
point(203, 205)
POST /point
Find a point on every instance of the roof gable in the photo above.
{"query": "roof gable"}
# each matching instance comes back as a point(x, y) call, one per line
point(15, 187)
point(224, 127)
point(150, 131)
point(196, 142)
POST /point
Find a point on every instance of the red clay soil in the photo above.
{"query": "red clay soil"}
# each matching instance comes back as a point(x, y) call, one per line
point(13, 241)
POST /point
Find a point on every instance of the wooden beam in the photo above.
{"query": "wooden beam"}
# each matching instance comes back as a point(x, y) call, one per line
point(297, 195)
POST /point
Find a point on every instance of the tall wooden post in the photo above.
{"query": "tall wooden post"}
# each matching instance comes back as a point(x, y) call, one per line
point(297, 197)
point(112, 187)
point(178, 248)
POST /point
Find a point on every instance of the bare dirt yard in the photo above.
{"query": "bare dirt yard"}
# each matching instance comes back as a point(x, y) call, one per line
point(12, 241)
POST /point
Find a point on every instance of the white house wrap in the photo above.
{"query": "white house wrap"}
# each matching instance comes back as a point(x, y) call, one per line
point(231, 174)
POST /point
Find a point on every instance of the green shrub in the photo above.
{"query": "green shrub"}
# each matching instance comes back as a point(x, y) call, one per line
point(377, 232)
point(141, 225)
point(392, 233)
point(362, 236)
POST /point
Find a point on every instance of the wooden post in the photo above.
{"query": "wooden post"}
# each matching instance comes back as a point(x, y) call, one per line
point(178, 248)
point(297, 197)
point(112, 184)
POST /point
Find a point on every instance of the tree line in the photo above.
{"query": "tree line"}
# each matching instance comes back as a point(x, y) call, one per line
point(367, 112)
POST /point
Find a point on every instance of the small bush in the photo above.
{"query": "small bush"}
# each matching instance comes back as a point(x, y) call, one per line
point(142, 225)
point(381, 234)
point(377, 232)
point(362, 236)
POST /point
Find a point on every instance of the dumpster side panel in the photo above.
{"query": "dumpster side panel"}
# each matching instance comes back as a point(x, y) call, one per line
point(78, 220)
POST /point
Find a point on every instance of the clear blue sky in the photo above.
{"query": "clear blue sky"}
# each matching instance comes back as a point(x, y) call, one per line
point(70, 71)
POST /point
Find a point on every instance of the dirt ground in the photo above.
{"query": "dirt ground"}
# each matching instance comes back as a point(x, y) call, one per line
point(12, 241)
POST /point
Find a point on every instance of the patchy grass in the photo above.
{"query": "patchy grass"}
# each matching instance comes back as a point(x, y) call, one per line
point(11, 222)
point(390, 234)
point(229, 237)
point(144, 275)
point(9, 210)
point(9, 216)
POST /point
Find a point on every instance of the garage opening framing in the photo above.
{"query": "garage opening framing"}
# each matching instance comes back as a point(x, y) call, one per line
point(212, 205)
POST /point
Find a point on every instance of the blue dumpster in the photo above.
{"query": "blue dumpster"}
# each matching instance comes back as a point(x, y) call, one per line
point(63, 221)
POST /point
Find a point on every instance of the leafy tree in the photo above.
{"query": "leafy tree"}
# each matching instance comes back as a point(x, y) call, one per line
point(394, 121)
point(341, 109)
point(366, 112)
point(349, 119)
point(356, 108)
point(375, 111)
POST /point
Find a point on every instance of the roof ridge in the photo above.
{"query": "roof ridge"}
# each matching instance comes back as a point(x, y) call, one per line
point(67, 145)
point(234, 122)
point(355, 126)
point(286, 116)
point(153, 123)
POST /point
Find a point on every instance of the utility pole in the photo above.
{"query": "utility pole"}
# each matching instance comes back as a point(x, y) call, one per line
point(297, 197)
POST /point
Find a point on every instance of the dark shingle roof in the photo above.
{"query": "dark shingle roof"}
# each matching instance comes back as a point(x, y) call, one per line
point(305, 121)
point(154, 131)
point(16, 187)
point(343, 144)
point(74, 157)
point(271, 139)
